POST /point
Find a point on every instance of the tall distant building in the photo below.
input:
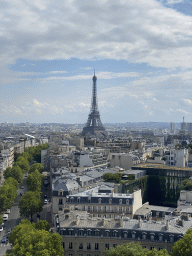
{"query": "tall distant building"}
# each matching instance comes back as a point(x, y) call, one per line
point(183, 128)
point(94, 125)
point(172, 128)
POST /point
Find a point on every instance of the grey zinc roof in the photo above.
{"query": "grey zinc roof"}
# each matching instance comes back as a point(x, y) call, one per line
point(149, 226)
point(65, 185)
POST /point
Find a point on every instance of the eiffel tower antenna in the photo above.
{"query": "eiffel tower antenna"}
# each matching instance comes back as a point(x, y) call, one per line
point(94, 124)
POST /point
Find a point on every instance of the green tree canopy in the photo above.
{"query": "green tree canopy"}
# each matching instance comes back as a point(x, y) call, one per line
point(30, 241)
point(15, 172)
point(8, 194)
point(22, 163)
point(12, 182)
point(1, 219)
point(183, 247)
point(133, 249)
point(26, 156)
point(42, 224)
point(30, 204)
point(187, 185)
point(36, 166)
point(34, 181)
point(112, 177)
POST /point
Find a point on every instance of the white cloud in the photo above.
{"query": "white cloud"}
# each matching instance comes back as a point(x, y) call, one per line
point(135, 31)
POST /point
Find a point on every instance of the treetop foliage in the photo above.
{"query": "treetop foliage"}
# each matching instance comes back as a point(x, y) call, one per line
point(30, 203)
point(35, 152)
point(133, 249)
point(36, 166)
point(29, 239)
point(187, 185)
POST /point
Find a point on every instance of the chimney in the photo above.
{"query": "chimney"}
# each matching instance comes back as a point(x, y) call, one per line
point(167, 225)
point(78, 220)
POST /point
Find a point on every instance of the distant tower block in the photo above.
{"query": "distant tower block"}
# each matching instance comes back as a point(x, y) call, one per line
point(94, 125)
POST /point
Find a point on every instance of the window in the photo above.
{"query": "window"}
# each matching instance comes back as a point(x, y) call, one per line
point(63, 245)
point(151, 248)
point(71, 199)
point(89, 200)
point(120, 201)
point(70, 254)
point(60, 201)
point(152, 236)
point(127, 201)
point(115, 233)
point(96, 233)
point(125, 235)
point(81, 246)
point(81, 232)
point(70, 232)
point(70, 245)
point(88, 246)
point(89, 232)
point(160, 238)
point(133, 235)
point(143, 236)
point(171, 239)
point(107, 246)
point(60, 208)
point(96, 246)
point(99, 201)
point(78, 200)
point(114, 245)
point(110, 201)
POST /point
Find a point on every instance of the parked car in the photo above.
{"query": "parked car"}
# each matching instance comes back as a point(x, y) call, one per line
point(45, 196)
point(1, 228)
point(5, 217)
point(22, 187)
point(8, 211)
point(45, 201)
point(3, 224)
point(4, 240)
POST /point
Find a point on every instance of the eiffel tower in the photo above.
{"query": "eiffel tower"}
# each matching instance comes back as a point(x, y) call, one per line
point(94, 125)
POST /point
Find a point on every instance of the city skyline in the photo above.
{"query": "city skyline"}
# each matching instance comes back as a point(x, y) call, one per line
point(141, 53)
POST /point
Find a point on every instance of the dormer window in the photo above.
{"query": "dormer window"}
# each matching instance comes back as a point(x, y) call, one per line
point(99, 201)
point(152, 236)
point(71, 199)
point(60, 193)
point(172, 238)
point(78, 200)
point(110, 201)
point(89, 200)
point(120, 201)
point(127, 202)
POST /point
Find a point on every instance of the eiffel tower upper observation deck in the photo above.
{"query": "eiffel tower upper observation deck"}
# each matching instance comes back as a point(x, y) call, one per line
point(94, 125)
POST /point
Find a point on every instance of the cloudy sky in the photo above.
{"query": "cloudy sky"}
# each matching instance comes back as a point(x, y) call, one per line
point(141, 51)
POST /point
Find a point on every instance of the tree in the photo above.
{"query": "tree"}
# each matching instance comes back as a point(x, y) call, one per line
point(22, 163)
point(15, 172)
point(8, 194)
point(183, 247)
point(42, 225)
point(29, 240)
point(12, 182)
point(1, 219)
point(34, 181)
point(36, 166)
point(187, 185)
point(30, 204)
point(26, 156)
point(133, 249)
